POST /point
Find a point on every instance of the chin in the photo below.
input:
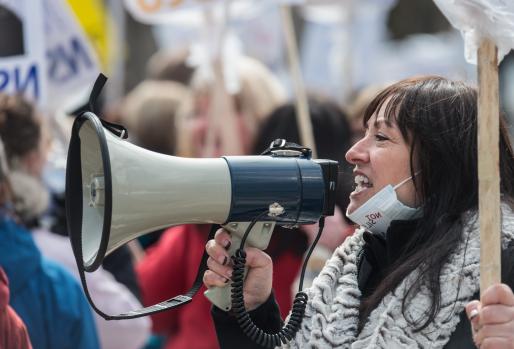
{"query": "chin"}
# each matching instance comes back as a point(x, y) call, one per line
point(352, 206)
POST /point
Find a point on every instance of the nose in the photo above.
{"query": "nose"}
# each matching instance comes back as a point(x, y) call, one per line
point(358, 153)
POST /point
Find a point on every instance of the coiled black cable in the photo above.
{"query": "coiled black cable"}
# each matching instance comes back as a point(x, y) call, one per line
point(286, 333)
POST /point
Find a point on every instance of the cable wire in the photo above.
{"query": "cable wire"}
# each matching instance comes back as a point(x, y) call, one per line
point(286, 333)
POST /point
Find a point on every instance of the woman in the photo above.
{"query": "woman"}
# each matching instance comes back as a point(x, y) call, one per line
point(403, 283)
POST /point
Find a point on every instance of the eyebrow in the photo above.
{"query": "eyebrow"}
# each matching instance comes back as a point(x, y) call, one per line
point(379, 122)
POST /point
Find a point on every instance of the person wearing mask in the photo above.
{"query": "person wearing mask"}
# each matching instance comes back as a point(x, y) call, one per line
point(404, 279)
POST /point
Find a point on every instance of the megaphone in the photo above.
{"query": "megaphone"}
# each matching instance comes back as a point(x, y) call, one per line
point(117, 191)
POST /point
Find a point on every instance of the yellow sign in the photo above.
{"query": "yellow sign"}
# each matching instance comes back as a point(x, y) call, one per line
point(94, 19)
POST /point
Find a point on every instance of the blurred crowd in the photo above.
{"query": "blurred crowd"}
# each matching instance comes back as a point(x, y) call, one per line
point(177, 110)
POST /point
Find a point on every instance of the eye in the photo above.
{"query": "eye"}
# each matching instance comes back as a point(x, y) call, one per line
point(380, 137)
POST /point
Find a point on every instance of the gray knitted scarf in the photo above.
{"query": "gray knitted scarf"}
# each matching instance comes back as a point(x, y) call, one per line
point(332, 313)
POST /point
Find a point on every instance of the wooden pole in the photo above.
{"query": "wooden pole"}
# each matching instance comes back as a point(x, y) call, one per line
point(302, 107)
point(488, 164)
point(222, 118)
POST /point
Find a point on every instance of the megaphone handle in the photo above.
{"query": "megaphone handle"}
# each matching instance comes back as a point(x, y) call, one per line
point(258, 237)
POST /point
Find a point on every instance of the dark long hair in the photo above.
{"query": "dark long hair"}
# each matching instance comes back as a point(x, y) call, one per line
point(438, 118)
point(332, 135)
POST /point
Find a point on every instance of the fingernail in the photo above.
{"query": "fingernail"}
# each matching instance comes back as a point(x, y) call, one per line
point(473, 314)
point(225, 260)
point(227, 244)
point(229, 274)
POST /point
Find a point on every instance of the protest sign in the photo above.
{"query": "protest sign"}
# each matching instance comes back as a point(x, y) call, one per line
point(161, 11)
point(44, 54)
point(71, 61)
point(486, 26)
point(22, 63)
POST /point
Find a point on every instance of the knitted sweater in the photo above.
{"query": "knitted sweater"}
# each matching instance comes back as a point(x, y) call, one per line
point(332, 312)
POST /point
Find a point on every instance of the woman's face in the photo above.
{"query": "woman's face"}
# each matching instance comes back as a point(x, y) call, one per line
point(381, 157)
point(198, 125)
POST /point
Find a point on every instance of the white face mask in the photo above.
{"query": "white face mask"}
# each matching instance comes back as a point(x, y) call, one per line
point(377, 213)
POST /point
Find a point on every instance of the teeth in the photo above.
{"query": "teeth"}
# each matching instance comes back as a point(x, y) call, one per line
point(360, 179)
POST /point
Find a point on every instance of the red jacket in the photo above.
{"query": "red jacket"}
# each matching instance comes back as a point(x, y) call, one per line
point(169, 269)
point(13, 333)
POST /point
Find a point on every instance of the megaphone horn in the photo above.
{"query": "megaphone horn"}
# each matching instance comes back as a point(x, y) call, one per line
point(116, 192)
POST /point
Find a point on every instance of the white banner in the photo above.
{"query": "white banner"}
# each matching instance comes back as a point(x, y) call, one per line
point(477, 19)
point(22, 64)
point(44, 54)
point(71, 61)
point(160, 11)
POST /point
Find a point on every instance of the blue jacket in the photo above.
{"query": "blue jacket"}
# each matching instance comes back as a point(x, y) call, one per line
point(45, 296)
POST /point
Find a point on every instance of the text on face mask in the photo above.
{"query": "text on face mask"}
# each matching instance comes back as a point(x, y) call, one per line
point(372, 219)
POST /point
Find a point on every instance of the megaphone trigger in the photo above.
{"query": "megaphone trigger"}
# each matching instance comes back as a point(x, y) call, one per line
point(258, 236)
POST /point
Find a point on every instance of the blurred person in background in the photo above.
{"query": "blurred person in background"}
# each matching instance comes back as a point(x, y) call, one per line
point(148, 112)
point(13, 332)
point(46, 297)
point(31, 200)
point(259, 92)
point(169, 267)
point(170, 66)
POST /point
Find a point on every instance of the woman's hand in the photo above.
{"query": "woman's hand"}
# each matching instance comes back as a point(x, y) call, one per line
point(492, 319)
point(257, 284)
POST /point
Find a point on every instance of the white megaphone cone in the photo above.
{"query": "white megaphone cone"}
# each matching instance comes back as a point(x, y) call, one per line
point(142, 191)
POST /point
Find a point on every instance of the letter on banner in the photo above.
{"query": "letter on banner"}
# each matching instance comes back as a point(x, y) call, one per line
point(72, 63)
point(22, 63)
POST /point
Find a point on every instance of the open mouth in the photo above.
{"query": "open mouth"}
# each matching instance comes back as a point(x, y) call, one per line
point(362, 183)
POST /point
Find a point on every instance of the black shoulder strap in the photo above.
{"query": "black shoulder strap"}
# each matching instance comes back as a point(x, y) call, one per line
point(156, 308)
point(117, 129)
point(76, 223)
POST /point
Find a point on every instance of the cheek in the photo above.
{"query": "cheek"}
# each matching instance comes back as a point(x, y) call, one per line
point(387, 169)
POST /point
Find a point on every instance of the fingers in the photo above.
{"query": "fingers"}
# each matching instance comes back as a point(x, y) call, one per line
point(496, 314)
point(216, 248)
point(219, 272)
point(492, 331)
point(496, 343)
point(211, 279)
point(498, 294)
point(473, 312)
point(222, 237)
point(492, 319)
point(224, 271)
